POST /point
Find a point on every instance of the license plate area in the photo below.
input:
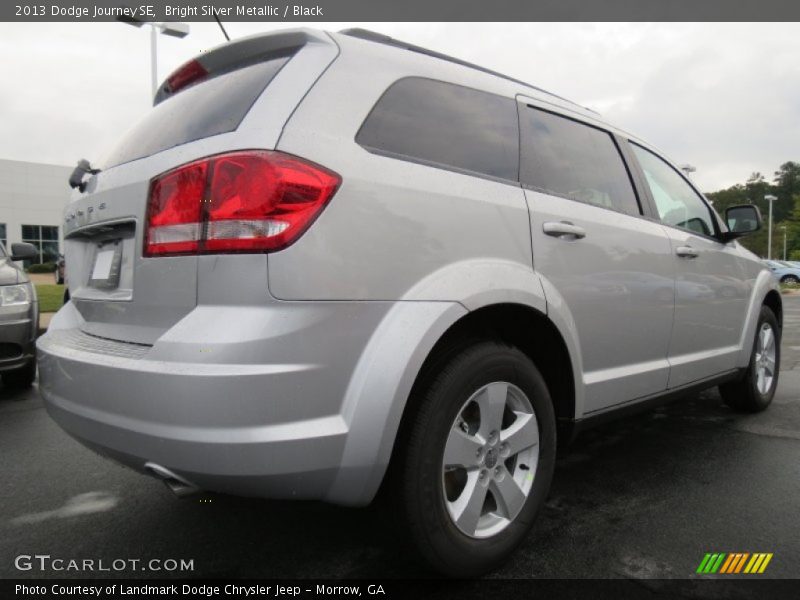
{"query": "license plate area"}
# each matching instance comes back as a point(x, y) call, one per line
point(106, 265)
point(93, 275)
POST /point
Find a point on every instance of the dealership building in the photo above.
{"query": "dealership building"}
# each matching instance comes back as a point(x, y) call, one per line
point(32, 200)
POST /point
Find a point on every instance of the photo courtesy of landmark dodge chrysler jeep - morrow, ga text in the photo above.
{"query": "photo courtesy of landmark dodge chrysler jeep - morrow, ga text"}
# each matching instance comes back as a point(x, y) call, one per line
point(324, 262)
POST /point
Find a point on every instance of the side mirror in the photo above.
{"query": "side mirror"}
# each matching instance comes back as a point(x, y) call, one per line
point(23, 251)
point(741, 220)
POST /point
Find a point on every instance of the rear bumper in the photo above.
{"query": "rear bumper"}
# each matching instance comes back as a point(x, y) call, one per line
point(243, 400)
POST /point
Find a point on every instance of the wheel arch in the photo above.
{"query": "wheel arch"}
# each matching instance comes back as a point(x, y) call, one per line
point(519, 325)
point(774, 302)
point(765, 292)
point(524, 327)
point(417, 335)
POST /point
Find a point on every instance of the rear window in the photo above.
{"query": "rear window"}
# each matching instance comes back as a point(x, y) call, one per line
point(445, 125)
point(574, 160)
point(217, 105)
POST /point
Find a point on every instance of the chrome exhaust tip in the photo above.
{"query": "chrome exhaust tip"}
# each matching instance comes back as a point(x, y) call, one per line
point(175, 483)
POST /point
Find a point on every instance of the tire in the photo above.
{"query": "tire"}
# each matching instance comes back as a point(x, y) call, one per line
point(452, 392)
point(754, 392)
point(790, 280)
point(20, 378)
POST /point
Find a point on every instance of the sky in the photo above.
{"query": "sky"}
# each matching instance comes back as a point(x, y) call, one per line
point(724, 97)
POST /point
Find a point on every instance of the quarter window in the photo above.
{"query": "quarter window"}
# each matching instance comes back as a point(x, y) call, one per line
point(677, 203)
point(567, 158)
point(3, 237)
point(445, 125)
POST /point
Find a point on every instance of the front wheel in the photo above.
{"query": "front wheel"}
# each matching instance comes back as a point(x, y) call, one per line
point(754, 392)
point(478, 459)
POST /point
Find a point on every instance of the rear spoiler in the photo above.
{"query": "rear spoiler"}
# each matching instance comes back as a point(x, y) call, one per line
point(237, 54)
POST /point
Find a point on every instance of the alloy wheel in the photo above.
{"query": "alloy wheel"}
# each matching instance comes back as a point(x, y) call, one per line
point(765, 359)
point(490, 459)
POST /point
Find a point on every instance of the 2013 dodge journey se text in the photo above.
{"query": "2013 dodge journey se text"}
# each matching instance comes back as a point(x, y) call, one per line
point(322, 261)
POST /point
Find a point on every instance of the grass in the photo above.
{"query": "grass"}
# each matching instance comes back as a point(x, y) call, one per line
point(51, 296)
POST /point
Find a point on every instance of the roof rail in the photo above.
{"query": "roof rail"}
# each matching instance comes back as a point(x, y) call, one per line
point(372, 36)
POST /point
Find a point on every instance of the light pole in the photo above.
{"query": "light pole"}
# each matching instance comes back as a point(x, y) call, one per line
point(688, 169)
point(178, 30)
point(784, 241)
point(770, 198)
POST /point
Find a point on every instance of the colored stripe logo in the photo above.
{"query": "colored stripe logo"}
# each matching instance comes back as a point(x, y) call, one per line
point(734, 562)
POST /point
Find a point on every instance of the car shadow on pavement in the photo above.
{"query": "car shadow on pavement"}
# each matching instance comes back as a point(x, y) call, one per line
point(639, 498)
point(607, 475)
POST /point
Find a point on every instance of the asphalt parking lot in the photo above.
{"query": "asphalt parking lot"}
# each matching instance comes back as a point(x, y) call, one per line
point(645, 497)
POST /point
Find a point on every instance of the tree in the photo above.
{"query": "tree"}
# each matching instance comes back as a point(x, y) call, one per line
point(722, 199)
point(786, 210)
point(793, 228)
point(786, 187)
point(752, 192)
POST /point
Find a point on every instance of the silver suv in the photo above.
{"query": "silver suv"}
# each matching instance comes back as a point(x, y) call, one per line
point(323, 261)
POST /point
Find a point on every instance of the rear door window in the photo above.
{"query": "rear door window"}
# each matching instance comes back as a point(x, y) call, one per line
point(217, 105)
point(445, 125)
point(567, 158)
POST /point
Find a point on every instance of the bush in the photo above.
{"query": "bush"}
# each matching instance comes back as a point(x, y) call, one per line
point(47, 267)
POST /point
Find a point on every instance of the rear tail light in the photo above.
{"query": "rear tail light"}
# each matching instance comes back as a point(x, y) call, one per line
point(174, 210)
point(251, 201)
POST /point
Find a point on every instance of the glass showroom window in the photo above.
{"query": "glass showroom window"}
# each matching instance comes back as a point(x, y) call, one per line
point(45, 238)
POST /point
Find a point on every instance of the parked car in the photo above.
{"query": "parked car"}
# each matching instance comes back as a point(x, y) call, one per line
point(325, 261)
point(19, 318)
point(784, 272)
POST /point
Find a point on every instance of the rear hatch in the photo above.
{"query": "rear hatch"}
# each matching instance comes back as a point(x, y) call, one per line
point(234, 97)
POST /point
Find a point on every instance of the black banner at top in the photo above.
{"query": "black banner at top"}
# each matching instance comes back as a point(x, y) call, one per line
point(402, 10)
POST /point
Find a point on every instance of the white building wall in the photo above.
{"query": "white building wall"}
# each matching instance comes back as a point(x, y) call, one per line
point(32, 194)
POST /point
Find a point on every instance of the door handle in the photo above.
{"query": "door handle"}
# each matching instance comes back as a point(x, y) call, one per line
point(686, 252)
point(563, 230)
